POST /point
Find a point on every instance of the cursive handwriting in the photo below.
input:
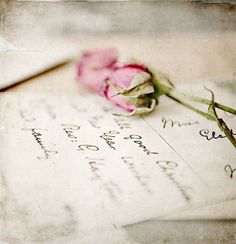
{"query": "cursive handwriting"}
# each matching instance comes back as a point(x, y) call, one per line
point(137, 140)
point(141, 179)
point(26, 116)
point(179, 124)
point(94, 121)
point(168, 168)
point(209, 135)
point(95, 166)
point(122, 123)
point(109, 136)
point(229, 170)
point(38, 138)
point(71, 130)
point(84, 147)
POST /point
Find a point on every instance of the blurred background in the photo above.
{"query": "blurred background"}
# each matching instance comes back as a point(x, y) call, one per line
point(188, 40)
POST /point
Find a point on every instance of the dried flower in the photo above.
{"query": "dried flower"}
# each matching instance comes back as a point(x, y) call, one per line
point(136, 88)
point(129, 86)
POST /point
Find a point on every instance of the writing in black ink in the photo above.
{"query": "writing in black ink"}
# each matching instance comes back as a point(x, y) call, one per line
point(95, 167)
point(209, 135)
point(122, 123)
point(87, 147)
point(109, 138)
point(71, 131)
point(137, 140)
point(229, 170)
point(37, 134)
point(141, 179)
point(172, 123)
point(168, 168)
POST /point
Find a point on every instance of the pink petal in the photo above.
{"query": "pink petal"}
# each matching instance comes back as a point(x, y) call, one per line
point(94, 80)
point(119, 100)
point(122, 77)
point(141, 67)
point(98, 59)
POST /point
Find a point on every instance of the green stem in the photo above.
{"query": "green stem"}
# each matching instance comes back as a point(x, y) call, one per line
point(179, 97)
point(229, 133)
point(206, 115)
point(170, 91)
point(204, 101)
point(220, 122)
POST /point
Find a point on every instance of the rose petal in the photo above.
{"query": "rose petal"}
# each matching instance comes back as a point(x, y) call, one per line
point(141, 67)
point(111, 93)
point(98, 59)
point(145, 110)
point(94, 80)
point(123, 77)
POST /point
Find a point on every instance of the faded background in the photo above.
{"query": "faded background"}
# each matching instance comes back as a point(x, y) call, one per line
point(187, 40)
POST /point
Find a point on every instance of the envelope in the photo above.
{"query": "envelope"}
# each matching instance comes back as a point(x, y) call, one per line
point(18, 65)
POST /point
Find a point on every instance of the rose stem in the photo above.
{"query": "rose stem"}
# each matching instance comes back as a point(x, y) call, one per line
point(206, 115)
point(163, 89)
point(205, 101)
point(172, 93)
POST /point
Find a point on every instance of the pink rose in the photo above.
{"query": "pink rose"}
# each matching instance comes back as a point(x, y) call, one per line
point(129, 86)
point(94, 68)
point(120, 78)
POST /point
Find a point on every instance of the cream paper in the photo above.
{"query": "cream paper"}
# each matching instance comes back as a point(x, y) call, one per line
point(71, 170)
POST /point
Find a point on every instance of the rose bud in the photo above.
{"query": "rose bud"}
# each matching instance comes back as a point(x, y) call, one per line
point(129, 86)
